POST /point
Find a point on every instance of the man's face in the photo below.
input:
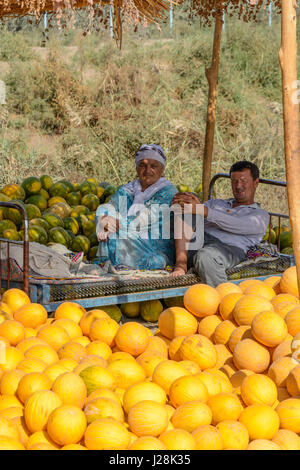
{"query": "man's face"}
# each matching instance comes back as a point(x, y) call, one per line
point(149, 171)
point(243, 186)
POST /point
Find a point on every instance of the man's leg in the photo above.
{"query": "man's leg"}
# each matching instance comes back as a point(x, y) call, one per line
point(188, 235)
point(211, 262)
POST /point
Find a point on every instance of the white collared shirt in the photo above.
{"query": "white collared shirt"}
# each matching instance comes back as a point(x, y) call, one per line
point(243, 226)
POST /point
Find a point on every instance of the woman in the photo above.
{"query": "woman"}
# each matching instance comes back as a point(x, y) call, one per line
point(133, 227)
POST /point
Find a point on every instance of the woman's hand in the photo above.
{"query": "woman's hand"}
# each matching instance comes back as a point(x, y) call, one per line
point(109, 225)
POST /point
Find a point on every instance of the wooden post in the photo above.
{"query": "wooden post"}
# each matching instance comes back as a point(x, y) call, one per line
point(288, 64)
point(212, 78)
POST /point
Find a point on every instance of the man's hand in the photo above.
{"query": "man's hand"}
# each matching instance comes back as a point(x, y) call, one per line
point(189, 198)
point(109, 225)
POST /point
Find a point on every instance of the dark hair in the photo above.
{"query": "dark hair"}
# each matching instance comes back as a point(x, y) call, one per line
point(243, 165)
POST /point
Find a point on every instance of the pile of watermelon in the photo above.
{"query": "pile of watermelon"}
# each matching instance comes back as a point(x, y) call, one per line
point(58, 212)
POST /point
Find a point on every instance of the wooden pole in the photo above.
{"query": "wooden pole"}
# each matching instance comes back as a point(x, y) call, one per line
point(288, 64)
point(212, 78)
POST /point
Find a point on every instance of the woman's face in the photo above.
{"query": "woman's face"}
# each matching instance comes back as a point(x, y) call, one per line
point(149, 171)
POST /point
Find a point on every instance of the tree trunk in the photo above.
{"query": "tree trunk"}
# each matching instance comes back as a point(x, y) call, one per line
point(288, 64)
point(212, 78)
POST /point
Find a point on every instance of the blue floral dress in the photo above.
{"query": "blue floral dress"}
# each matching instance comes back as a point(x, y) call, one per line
point(145, 240)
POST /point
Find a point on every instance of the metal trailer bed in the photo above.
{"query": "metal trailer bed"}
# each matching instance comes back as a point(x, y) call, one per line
point(93, 294)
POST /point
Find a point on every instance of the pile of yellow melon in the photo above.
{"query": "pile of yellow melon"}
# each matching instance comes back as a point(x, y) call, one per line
point(221, 373)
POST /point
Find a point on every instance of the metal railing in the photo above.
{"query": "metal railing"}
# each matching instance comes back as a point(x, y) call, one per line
point(261, 181)
point(25, 243)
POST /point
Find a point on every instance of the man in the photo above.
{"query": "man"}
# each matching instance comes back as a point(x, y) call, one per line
point(231, 227)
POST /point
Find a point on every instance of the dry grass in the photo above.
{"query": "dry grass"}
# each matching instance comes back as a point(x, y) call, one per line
point(82, 110)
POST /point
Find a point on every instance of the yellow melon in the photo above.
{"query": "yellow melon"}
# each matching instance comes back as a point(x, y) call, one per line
point(261, 290)
point(224, 406)
point(248, 354)
point(41, 437)
point(31, 315)
point(178, 439)
point(104, 329)
point(23, 431)
point(282, 350)
point(261, 421)
point(293, 382)
point(71, 389)
point(234, 435)
point(99, 348)
point(207, 326)
point(228, 304)
point(31, 364)
point(201, 300)
point(54, 370)
point(41, 446)
point(126, 372)
point(283, 308)
point(274, 282)
point(73, 447)
point(70, 326)
point(263, 444)
point(72, 350)
point(226, 288)
point(249, 282)
point(191, 415)
point(174, 348)
point(38, 408)
point(143, 391)
point(215, 383)
point(27, 343)
point(148, 418)
point(89, 317)
point(103, 393)
point(7, 443)
point(258, 389)
point(95, 377)
point(269, 329)
point(191, 367)
point(103, 408)
point(177, 321)
point(292, 320)
point(132, 337)
point(66, 425)
point(15, 299)
point(147, 443)
point(106, 434)
point(207, 437)
point(8, 429)
point(149, 362)
point(43, 352)
point(238, 334)
point(289, 414)
point(9, 381)
point(166, 372)
point(199, 349)
point(187, 388)
point(53, 335)
point(7, 401)
point(32, 382)
point(288, 282)
point(71, 310)
point(287, 440)
point(223, 331)
point(291, 299)
point(13, 330)
point(157, 345)
point(11, 412)
point(280, 369)
point(248, 306)
point(237, 379)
